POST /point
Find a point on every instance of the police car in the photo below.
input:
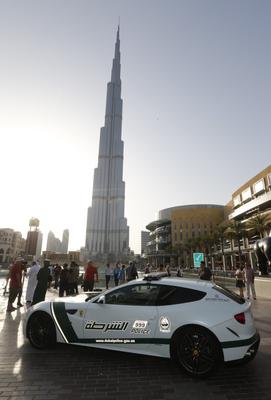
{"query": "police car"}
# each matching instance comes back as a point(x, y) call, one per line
point(196, 323)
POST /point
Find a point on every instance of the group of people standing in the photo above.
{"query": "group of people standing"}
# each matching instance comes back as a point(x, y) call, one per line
point(120, 273)
point(38, 277)
point(66, 278)
point(245, 279)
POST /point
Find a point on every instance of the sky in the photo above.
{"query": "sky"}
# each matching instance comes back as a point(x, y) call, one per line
point(196, 92)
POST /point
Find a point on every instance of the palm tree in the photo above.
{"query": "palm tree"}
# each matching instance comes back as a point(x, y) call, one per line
point(191, 246)
point(259, 224)
point(236, 230)
point(220, 231)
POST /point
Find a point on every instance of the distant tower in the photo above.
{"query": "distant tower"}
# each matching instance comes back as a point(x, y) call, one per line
point(51, 245)
point(34, 239)
point(107, 230)
point(65, 241)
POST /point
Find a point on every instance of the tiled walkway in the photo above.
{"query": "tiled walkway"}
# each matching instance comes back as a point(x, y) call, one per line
point(69, 372)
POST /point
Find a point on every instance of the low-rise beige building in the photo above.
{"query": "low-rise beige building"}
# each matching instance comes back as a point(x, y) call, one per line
point(12, 245)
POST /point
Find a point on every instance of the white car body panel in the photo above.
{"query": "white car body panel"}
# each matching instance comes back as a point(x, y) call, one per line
point(112, 326)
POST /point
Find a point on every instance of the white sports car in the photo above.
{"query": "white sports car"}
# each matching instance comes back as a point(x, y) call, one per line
point(196, 323)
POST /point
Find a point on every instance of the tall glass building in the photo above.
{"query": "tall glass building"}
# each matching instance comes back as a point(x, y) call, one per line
point(107, 230)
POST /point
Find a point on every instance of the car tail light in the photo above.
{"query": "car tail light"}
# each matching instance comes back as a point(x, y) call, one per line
point(241, 318)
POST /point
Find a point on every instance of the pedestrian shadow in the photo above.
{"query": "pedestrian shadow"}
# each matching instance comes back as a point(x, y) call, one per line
point(11, 338)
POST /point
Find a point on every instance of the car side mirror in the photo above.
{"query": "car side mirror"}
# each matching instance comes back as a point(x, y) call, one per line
point(101, 299)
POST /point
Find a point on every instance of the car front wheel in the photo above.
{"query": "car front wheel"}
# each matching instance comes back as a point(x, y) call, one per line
point(196, 350)
point(41, 331)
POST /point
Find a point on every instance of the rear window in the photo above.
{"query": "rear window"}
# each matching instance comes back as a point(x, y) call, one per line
point(177, 295)
point(228, 293)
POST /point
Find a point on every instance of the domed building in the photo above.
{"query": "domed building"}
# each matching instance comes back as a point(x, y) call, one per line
point(176, 226)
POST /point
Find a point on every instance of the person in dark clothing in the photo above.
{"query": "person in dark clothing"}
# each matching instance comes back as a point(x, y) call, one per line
point(57, 270)
point(42, 283)
point(63, 281)
point(74, 270)
point(131, 272)
point(205, 272)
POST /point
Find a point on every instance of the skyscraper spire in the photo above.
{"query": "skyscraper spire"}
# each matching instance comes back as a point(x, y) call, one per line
point(115, 74)
point(107, 230)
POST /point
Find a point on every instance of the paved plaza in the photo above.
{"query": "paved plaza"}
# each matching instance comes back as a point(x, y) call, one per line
point(70, 372)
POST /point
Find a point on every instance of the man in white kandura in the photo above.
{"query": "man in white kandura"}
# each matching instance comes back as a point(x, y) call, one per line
point(32, 281)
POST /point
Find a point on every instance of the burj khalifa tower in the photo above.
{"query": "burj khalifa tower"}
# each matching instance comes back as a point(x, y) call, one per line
point(107, 231)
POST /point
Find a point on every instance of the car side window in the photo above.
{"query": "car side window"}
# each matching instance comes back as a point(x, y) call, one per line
point(134, 295)
point(177, 295)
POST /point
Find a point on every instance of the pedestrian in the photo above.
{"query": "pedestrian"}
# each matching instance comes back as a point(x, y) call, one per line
point(89, 277)
point(131, 272)
point(116, 274)
point(15, 283)
point(63, 281)
point(69, 281)
point(75, 277)
point(180, 271)
point(168, 270)
point(161, 268)
point(108, 274)
point(57, 271)
point(122, 277)
point(240, 280)
point(42, 283)
point(32, 281)
point(147, 269)
point(205, 273)
point(249, 277)
point(50, 276)
point(24, 269)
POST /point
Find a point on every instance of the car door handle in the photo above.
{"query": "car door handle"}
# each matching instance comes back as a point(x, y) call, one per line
point(71, 311)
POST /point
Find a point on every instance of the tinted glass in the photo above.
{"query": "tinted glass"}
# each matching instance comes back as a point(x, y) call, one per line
point(177, 295)
point(135, 295)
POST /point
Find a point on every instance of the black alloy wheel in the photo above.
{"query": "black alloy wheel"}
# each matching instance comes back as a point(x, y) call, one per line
point(41, 331)
point(196, 350)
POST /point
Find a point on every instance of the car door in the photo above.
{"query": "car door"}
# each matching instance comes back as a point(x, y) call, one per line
point(126, 320)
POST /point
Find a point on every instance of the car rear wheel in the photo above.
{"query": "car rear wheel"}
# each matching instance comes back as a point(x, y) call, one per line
point(196, 350)
point(41, 331)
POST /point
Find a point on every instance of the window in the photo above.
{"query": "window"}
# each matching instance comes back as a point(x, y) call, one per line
point(246, 194)
point(259, 186)
point(134, 295)
point(237, 201)
point(177, 295)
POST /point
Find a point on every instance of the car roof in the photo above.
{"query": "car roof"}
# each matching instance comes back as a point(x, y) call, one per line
point(196, 284)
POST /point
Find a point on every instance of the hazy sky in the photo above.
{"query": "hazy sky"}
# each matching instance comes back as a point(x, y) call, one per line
point(196, 89)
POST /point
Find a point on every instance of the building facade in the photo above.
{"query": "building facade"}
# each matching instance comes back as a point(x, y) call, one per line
point(61, 258)
point(180, 228)
point(12, 245)
point(176, 226)
point(145, 238)
point(65, 241)
point(33, 245)
point(252, 198)
point(107, 231)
